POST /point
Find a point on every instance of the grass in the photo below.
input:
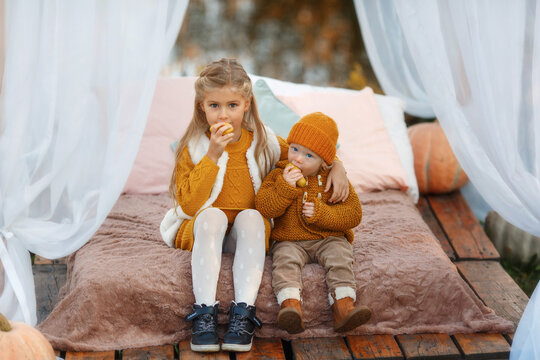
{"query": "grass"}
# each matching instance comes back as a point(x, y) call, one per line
point(525, 274)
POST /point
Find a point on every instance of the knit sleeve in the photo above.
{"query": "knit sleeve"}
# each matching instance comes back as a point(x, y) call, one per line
point(275, 195)
point(340, 216)
point(194, 182)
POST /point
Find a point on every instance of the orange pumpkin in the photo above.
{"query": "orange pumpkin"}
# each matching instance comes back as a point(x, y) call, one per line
point(21, 341)
point(435, 165)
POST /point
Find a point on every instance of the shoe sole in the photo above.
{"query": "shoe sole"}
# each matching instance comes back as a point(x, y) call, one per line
point(357, 317)
point(205, 348)
point(236, 347)
point(290, 320)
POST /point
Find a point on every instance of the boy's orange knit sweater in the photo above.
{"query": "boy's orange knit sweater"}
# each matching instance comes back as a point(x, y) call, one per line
point(278, 200)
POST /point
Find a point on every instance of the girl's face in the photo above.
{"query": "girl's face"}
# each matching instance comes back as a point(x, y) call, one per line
point(303, 158)
point(225, 105)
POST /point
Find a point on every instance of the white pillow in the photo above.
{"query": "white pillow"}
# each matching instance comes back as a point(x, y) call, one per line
point(392, 112)
point(391, 109)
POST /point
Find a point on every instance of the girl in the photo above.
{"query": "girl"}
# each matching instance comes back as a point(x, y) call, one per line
point(216, 176)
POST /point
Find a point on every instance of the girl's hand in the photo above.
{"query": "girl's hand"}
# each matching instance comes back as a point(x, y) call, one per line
point(338, 179)
point(309, 209)
point(291, 175)
point(324, 166)
point(218, 141)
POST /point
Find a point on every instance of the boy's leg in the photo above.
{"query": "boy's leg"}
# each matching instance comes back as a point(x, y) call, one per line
point(288, 259)
point(247, 241)
point(335, 254)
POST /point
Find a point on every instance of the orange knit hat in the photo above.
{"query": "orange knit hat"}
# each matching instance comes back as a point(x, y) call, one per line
point(318, 132)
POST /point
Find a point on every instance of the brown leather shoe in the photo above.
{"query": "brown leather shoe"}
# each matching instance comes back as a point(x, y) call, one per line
point(347, 316)
point(290, 317)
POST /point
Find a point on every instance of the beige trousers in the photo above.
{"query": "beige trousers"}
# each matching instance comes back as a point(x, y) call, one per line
point(333, 253)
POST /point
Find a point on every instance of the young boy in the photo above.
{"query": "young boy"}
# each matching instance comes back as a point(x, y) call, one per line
point(308, 229)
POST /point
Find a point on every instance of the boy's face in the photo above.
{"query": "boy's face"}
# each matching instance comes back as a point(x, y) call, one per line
point(303, 158)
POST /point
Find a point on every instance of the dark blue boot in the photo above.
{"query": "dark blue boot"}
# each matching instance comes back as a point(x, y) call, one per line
point(204, 335)
point(242, 322)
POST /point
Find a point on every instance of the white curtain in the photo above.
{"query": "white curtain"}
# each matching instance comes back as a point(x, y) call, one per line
point(479, 63)
point(390, 57)
point(2, 39)
point(78, 83)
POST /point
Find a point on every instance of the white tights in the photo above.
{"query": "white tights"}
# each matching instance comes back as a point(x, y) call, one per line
point(246, 240)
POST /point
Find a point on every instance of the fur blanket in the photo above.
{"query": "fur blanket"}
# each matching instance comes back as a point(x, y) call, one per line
point(125, 288)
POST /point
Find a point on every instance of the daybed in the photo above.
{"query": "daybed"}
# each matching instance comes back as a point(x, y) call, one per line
point(126, 288)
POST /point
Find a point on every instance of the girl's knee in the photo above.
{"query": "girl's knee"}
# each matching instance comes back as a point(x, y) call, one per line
point(249, 215)
point(211, 224)
point(249, 230)
point(214, 214)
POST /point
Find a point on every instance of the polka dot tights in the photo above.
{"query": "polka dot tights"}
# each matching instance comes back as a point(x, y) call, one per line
point(246, 240)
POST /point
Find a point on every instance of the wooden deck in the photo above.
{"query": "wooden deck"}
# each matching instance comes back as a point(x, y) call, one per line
point(463, 240)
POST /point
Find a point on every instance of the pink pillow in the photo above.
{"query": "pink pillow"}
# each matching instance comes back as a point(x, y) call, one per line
point(170, 114)
point(367, 152)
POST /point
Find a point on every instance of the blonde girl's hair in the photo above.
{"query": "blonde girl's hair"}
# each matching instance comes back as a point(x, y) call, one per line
point(216, 75)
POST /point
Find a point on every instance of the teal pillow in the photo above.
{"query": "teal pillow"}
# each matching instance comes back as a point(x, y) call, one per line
point(174, 145)
point(272, 111)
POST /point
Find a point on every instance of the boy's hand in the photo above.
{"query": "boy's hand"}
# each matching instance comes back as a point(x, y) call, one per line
point(218, 141)
point(309, 209)
point(291, 175)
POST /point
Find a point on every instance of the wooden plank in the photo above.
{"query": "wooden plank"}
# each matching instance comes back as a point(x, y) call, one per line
point(320, 348)
point(48, 279)
point(149, 353)
point(263, 349)
point(495, 287)
point(483, 346)
point(428, 346)
point(186, 353)
point(90, 355)
point(380, 347)
point(431, 221)
point(38, 260)
point(461, 227)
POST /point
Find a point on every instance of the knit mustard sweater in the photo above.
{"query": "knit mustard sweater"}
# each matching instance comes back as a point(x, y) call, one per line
point(278, 200)
point(194, 184)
